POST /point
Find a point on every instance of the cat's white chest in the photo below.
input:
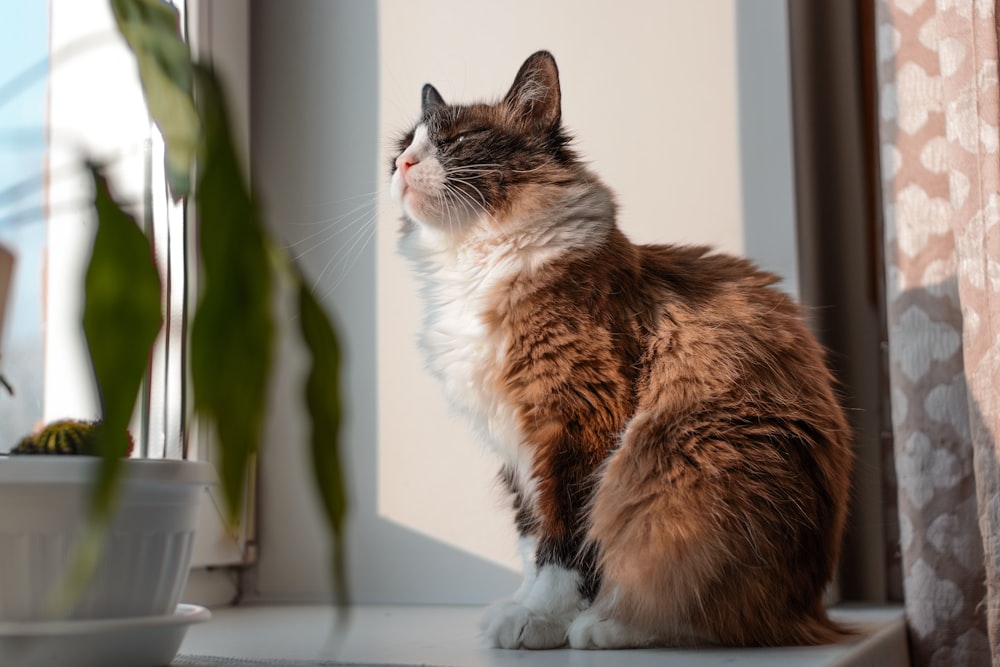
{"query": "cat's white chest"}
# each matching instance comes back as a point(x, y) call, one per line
point(460, 350)
point(465, 354)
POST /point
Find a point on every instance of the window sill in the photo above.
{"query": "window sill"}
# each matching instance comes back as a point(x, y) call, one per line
point(439, 635)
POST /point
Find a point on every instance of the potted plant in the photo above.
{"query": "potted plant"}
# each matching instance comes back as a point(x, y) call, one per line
point(230, 346)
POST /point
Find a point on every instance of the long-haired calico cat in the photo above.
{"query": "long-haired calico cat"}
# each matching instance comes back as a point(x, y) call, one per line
point(667, 426)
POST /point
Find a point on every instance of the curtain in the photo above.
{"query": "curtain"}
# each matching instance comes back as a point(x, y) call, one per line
point(939, 111)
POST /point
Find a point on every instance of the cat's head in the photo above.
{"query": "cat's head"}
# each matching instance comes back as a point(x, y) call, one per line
point(463, 166)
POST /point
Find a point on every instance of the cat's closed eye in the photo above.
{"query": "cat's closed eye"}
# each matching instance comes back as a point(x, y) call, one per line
point(451, 140)
point(465, 135)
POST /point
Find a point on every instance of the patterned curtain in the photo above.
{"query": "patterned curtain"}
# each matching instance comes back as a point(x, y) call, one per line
point(939, 114)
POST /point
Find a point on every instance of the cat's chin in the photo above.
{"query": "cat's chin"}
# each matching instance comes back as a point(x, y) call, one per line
point(410, 205)
point(408, 201)
point(412, 202)
point(407, 198)
point(450, 231)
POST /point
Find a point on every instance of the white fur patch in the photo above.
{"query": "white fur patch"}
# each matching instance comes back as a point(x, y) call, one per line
point(526, 546)
point(457, 282)
point(556, 591)
point(542, 618)
point(594, 630)
point(514, 626)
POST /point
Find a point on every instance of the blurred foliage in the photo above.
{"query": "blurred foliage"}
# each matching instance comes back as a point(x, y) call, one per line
point(121, 320)
point(152, 30)
point(323, 403)
point(232, 334)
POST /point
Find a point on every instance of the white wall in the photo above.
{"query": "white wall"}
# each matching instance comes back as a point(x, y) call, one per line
point(650, 90)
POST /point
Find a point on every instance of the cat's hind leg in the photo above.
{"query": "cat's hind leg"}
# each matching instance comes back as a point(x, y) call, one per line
point(659, 551)
point(701, 542)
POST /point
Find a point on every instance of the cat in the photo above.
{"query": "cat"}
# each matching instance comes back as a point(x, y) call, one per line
point(669, 432)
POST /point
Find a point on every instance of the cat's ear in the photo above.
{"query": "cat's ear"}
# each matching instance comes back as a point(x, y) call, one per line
point(535, 94)
point(430, 98)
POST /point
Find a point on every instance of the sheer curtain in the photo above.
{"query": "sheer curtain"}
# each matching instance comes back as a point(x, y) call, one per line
point(939, 113)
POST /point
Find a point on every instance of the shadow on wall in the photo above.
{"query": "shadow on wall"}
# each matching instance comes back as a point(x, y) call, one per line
point(314, 120)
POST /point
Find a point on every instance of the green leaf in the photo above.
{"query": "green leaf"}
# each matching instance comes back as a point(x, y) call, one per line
point(121, 319)
point(323, 404)
point(151, 28)
point(232, 333)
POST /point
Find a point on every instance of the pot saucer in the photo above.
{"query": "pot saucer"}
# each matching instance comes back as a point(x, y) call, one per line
point(145, 641)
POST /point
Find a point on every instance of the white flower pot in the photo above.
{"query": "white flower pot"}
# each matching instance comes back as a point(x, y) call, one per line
point(144, 565)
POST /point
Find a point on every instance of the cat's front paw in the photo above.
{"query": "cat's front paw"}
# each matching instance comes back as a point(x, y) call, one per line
point(592, 630)
point(511, 625)
point(494, 611)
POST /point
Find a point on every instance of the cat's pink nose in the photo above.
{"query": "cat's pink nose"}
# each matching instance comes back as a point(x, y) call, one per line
point(404, 162)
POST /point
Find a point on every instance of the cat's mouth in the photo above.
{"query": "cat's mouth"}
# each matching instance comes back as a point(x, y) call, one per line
point(407, 197)
point(413, 189)
point(399, 188)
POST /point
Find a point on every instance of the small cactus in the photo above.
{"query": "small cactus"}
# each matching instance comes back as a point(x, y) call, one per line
point(68, 436)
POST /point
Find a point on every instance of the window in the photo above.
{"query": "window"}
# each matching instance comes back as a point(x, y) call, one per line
point(24, 52)
point(79, 98)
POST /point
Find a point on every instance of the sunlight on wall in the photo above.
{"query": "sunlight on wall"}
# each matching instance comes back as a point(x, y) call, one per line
point(662, 133)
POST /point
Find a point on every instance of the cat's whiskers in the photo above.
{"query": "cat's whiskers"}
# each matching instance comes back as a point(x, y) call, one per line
point(354, 230)
point(465, 199)
point(465, 175)
point(346, 233)
point(446, 204)
point(481, 204)
point(479, 207)
point(442, 202)
point(473, 171)
point(365, 198)
point(550, 159)
point(468, 181)
point(454, 201)
point(348, 254)
point(477, 165)
point(356, 216)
